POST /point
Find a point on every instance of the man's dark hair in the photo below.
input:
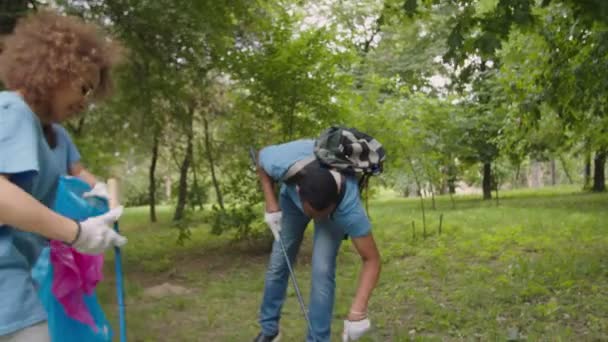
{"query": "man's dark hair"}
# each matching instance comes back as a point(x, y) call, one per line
point(317, 187)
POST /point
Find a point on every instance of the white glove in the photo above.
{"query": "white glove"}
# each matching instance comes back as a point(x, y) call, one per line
point(273, 220)
point(353, 330)
point(99, 190)
point(96, 233)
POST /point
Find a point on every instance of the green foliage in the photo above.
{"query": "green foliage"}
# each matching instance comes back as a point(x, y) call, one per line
point(480, 27)
point(242, 216)
point(243, 222)
point(445, 85)
point(291, 81)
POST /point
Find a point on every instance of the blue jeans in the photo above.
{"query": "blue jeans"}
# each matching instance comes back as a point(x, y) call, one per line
point(327, 240)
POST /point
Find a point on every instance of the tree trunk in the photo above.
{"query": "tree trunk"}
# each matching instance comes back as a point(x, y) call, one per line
point(182, 193)
point(195, 185)
point(142, 72)
point(443, 188)
point(431, 187)
point(452, 185)
point(209, 153)
point(487, 181)
point(496, 185)
point(587, 179)
point(599, 175)
point(152, 177)
point(565, 167)
point(452, 177)
point(553, 173)
point(417, 180)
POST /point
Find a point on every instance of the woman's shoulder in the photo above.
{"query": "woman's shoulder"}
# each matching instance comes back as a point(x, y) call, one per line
point(12, 106)
point(15, 115)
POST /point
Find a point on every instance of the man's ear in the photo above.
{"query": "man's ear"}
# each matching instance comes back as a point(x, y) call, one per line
point(298, 189)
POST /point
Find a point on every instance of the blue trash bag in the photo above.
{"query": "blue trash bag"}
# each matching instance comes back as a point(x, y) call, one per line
point(69, 203)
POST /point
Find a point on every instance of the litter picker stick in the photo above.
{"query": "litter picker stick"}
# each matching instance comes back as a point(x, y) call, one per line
point(120, 291)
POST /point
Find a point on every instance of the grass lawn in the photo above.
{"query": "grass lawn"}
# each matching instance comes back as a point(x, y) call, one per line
point(534, 268)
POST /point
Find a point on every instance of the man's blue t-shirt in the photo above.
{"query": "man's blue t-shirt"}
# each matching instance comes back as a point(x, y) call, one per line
point(29, 163)
point(349, 216)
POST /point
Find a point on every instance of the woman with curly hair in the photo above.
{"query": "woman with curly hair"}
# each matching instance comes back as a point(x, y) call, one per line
point(54, 66)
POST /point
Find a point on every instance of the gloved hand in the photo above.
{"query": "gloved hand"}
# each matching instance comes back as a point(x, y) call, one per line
point(353, 330)
point(273, 220)
point(96, 233)
point(99, 190)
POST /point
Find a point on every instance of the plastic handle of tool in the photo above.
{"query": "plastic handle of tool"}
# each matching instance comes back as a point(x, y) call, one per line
point(120, 292)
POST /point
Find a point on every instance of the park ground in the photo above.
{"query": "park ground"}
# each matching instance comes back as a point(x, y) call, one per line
point(534, 267)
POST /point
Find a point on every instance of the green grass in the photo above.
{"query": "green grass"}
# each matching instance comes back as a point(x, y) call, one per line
point(535, 268)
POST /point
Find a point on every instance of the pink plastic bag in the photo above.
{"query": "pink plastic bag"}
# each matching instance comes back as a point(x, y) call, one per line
point(75, 274)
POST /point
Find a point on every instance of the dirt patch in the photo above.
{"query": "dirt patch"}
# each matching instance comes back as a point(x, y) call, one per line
point(166, 290)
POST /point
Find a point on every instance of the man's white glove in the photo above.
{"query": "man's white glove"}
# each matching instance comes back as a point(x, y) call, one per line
point(99, 190)
point(273, 220)
point(95, 234)
point(353, 330)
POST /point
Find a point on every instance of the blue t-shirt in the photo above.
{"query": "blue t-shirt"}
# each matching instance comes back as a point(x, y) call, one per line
point(29, 163)
point(65, 152)
point(349, 216)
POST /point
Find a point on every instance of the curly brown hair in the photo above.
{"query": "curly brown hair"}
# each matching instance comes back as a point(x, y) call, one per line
point(47, 49)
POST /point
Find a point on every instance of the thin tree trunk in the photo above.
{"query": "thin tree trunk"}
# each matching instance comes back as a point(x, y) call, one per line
point(497, 183)
point(587, 179)
point(417, 180)
point(553, 173)
point(141, 73)
point(182, 195)
point(432, 186)
point(599, 175)
point(565, 167)
point(433, 197)
point(209, 153)
point(195, 186)
point(487, 181)
point(451, 186)
point(423, 216)
point(452, 177)
point(152, 177)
